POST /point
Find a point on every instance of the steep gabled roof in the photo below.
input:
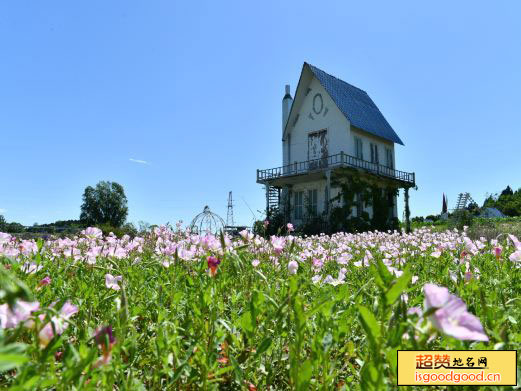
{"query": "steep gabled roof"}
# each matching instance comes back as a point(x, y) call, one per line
point(356, 105)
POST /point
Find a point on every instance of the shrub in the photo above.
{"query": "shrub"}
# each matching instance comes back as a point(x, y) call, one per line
point(460, 219)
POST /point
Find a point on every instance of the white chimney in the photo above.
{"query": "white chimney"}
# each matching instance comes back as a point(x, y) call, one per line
point(287, 101)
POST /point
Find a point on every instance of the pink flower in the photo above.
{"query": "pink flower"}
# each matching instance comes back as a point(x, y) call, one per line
point(451, 316)
point(20, 313)
point(44, 281)
point(470, 246)
point(469, 274)
point(415, 311)
point(246, 235)
point(290, 227)
point(516, 241)
point(266, 223)
point(60, 323)
point(92, 232)
point(317, 263)
point(278, 244)
point(515, 256)
point(105, 340)
point(255, 263)
point(497, 251)
point(292, 267)
point(111, 282)
point(213, 263)
point(104, 336)
point(344, 259)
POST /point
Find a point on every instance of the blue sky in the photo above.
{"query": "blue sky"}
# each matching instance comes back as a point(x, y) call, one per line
point(195, 88)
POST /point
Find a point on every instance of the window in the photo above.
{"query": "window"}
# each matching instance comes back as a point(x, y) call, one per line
point(374, 153)
point(299, 198)
point(359, 151)
point(313, 201)
point(389, 156)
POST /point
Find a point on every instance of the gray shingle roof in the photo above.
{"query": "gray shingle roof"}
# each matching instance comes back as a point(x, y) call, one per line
point(356, 105)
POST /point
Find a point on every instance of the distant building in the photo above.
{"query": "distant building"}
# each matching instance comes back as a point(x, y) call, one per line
point(329, 125)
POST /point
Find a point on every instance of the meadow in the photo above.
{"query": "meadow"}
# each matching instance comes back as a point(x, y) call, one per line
point(175, 311)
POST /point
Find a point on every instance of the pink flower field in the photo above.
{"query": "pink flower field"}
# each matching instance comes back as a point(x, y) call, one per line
point(173, 310)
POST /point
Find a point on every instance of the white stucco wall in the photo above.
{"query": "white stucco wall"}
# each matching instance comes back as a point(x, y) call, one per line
point(367, 139)
point(340, 134)
point(337, 126)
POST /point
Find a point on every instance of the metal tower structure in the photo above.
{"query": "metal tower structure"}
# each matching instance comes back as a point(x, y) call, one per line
point(463, 200)
point(229, 215)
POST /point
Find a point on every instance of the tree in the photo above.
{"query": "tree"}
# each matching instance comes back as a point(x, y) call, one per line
point(3, 223)
point(508, 202)
point(104, 204)
point(473, 208)
point(508, 191)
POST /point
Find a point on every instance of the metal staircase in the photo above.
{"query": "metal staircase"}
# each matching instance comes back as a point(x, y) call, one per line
point(272, 198)
point(463, 200)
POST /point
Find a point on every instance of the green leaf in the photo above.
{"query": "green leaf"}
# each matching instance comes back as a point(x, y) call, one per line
point(10, 361)
point(247, 323)
point(370, 377)
point(392, 359)
point(11, 356)
point(237, 369)
point(384, 273)
point(264, 345)
point(398, 287)
point(12, 288)
point(370, 325)
point(304, 375)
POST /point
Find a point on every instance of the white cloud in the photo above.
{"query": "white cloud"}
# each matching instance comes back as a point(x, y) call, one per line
point(2, 211)
point(139, 161)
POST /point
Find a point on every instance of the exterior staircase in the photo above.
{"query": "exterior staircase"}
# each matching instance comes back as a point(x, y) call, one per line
point(272, 198)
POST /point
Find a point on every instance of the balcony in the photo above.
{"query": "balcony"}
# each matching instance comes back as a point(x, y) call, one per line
point(270, 175)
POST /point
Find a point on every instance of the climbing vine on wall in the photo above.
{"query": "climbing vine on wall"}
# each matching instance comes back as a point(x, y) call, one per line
point(358, 192)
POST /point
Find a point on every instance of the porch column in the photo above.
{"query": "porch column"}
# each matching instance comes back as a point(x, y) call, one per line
point(287, 211)
point(328, 193)
point(407, 211)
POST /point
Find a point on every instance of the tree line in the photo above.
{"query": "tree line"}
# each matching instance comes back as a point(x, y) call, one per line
point(104, 205)
point(508, 202)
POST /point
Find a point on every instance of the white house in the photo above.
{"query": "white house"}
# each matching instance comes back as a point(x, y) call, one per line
point(328, 126)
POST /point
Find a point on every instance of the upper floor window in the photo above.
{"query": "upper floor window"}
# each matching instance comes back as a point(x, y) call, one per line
point(359, 151)
point(374, 153)
point(389, 156)
point(299, 204)
point(313, 201)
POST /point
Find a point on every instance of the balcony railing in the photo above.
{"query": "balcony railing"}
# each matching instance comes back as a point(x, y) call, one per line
point(339, 160)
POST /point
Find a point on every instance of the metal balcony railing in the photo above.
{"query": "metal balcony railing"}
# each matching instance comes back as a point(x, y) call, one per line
point(339, 160)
